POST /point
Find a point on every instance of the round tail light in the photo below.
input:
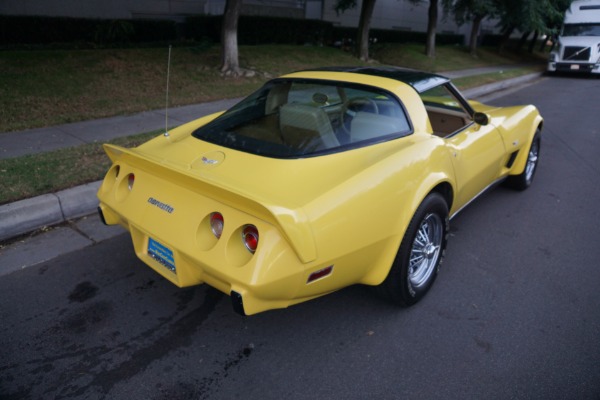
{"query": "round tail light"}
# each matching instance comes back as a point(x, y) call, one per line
point(130, 181)
point(250, 237)
point(216, 224)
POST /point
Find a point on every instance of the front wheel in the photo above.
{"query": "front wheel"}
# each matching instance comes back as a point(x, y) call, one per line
point(421, 252)
point(524, 179)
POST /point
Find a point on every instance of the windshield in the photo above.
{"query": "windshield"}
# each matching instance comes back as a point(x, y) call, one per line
point(290, 118)
point(581, 29)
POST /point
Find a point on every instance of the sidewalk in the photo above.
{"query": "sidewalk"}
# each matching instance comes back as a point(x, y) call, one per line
point(33, 141)
point(51, 209)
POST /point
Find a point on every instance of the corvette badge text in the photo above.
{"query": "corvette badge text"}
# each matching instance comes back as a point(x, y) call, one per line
point(161, 205)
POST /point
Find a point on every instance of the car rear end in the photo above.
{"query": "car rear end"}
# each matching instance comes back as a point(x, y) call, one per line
point(191, 231)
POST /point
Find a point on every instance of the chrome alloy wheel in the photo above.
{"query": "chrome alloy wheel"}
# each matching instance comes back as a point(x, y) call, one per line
point(532, 160)
point(425, 251)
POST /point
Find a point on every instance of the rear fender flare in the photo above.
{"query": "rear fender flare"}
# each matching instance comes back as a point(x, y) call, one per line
point(435, 182)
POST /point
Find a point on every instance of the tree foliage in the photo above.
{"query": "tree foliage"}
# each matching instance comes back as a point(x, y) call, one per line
point(474, 11)
point(541, 16)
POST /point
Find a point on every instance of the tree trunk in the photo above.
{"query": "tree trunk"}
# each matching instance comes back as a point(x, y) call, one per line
point(474, 35)
point(362, 42)
point(431, 28)
point(505, 37)
point(536, 34)
point(522, 41)
point(229, 47)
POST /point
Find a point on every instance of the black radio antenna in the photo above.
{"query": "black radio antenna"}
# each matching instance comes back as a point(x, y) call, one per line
point(167, 96)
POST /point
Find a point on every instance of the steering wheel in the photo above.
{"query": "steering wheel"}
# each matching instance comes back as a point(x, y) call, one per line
point(354, 105)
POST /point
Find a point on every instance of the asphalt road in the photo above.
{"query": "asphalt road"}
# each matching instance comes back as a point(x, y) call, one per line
point(514, 314)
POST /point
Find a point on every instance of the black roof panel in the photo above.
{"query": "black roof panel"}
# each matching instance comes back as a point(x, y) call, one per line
point(420, 81)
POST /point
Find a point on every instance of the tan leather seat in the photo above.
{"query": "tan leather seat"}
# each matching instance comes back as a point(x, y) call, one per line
point(306, 127)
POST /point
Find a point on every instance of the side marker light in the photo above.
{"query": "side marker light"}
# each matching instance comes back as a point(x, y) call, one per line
point(322, 273)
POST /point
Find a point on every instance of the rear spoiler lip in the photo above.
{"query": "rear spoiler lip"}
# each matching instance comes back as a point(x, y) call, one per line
point(293, 222)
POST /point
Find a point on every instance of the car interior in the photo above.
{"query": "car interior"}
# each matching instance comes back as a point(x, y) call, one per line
point(314, 117)
point(296, 118)
point(446, 113)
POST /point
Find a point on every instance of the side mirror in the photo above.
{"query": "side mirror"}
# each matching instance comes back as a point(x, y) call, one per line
point(481, 118)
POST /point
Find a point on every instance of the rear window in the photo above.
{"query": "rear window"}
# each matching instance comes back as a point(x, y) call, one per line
point(299, 118)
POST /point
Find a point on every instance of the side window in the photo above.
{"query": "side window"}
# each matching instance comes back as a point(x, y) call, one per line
point(446, 113)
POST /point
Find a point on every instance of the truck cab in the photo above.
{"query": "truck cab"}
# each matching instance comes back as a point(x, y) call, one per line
point(578, 46)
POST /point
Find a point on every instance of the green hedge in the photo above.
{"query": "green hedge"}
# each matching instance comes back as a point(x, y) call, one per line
point(25, 30)
point(491, 40)
point(396, 36)
point(252, 30)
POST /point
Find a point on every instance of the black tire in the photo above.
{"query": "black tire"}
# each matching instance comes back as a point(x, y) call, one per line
point(427, 232)
point(525, 178)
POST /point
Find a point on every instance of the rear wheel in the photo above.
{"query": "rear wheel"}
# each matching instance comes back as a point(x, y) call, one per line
point(421, 252)
point(524, 179)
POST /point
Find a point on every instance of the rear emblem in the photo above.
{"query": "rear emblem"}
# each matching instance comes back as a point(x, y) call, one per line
point(208, 161)
point(163, 206)
point(211, 159)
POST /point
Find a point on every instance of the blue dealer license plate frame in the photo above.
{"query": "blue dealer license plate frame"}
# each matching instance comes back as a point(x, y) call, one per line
point(162, 254)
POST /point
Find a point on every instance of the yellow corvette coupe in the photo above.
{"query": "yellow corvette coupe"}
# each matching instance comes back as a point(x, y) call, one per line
point(319, 180)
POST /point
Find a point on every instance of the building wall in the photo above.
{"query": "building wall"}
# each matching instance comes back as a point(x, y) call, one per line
point(388, 14)
point(103, 9)
point(400, 15)
point(157, 9)
point(271, 8)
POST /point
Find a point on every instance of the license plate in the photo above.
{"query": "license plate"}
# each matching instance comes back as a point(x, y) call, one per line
point(574, 66)
point(162, 254)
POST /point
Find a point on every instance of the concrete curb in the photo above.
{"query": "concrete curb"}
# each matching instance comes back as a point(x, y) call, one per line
point(499, 86)
point(50, 209)
point(28, 215)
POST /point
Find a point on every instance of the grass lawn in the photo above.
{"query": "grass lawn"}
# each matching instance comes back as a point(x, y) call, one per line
point(47, 87)
point(44, 88)
point(36, 174)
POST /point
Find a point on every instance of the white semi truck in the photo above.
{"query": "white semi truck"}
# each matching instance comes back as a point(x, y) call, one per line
point(578, 46)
